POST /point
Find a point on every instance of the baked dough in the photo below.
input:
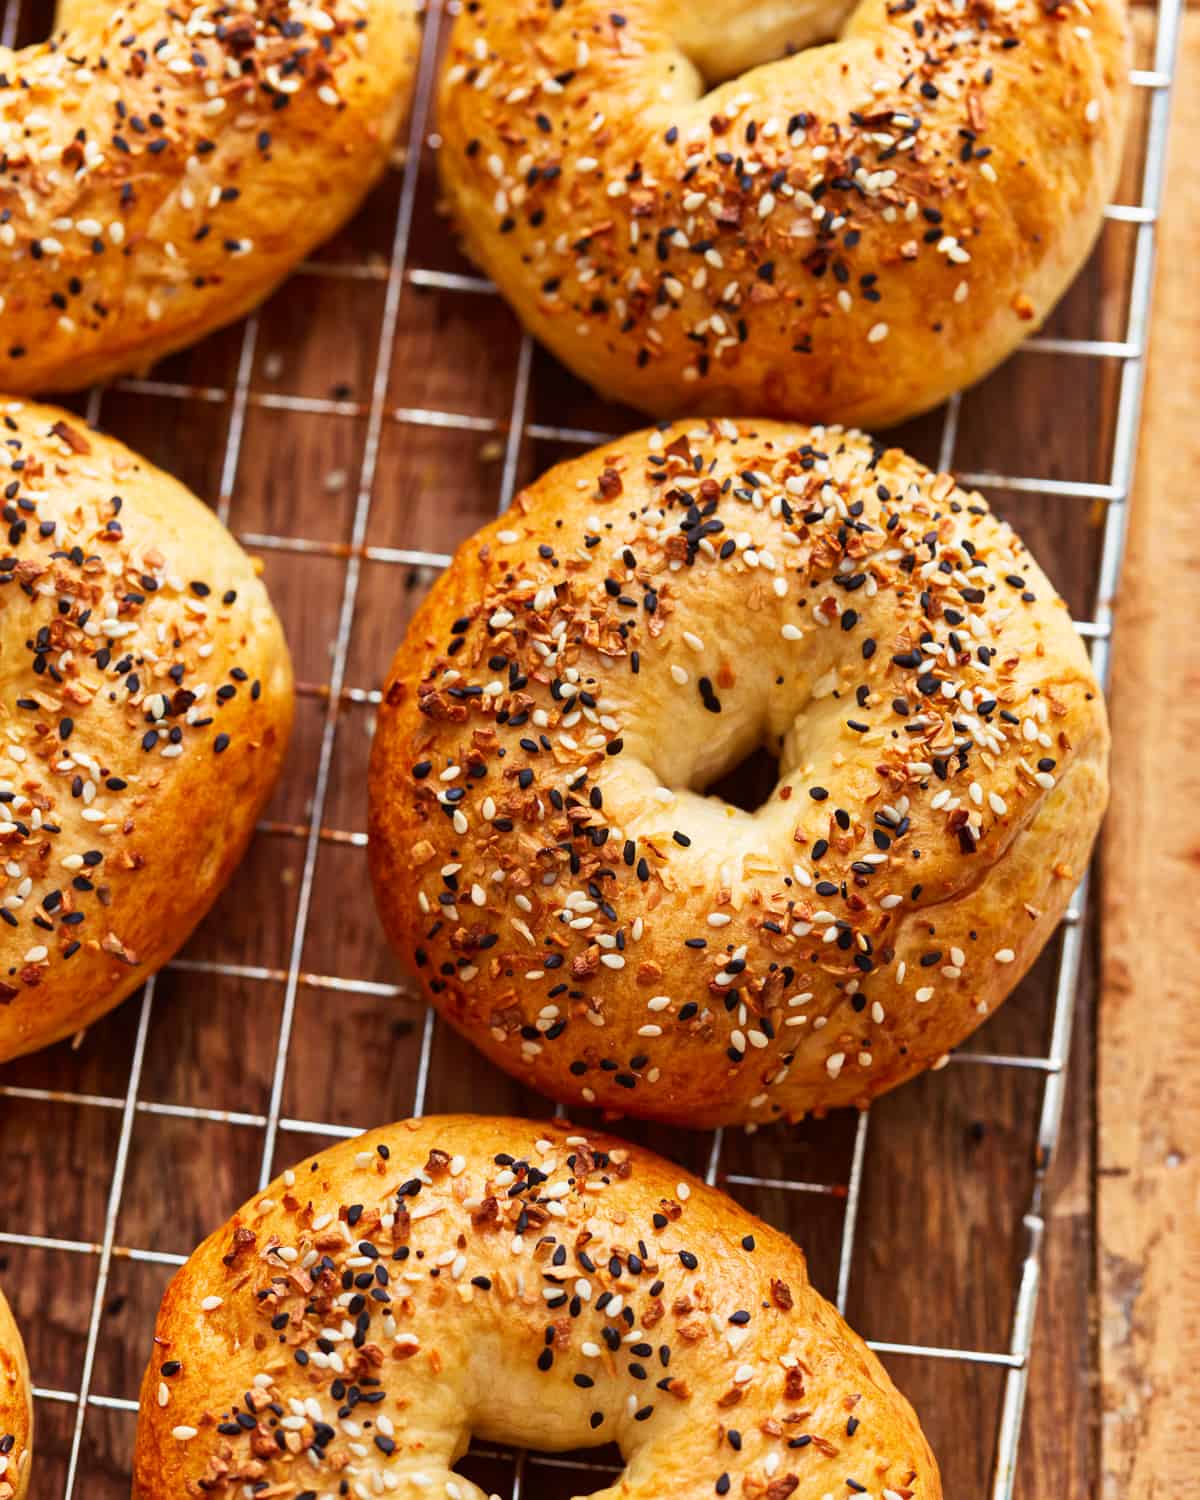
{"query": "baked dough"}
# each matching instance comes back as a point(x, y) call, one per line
point(163, 168)
point(356, 1323)
point(16, 1410)
point(847, 234)
point(145, 706)
point(643, 618)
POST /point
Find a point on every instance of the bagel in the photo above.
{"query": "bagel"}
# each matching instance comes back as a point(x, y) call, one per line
point(16, 1410)
point(163, 167)
point(850, 234)
point(640, 621)
point(349, 1330)
point(145, 707)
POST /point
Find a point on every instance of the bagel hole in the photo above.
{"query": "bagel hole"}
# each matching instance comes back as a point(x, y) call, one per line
point(750, 783)
point(741, 37)
point(559, 1479)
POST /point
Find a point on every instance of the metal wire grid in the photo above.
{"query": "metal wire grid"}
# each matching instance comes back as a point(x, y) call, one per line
point(395, 275)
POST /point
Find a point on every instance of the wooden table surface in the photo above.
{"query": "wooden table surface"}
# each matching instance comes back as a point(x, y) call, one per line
point(950, 1163)
point(1147, 1177)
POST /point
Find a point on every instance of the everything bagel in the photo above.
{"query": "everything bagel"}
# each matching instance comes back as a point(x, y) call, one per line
point(349, 1330)
point(145, 706)
point(16, 1410)
point(849, 234)
point(643, 618)
point(163, 167)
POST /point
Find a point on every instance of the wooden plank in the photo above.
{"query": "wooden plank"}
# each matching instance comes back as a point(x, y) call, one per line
point(949, 1166)
point(1148, 1077)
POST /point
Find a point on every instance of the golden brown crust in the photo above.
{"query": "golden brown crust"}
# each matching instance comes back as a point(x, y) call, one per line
point(642, 619)
point(522, 1282)
point(16, 1410)
point(846, 235)
point(146, 707)
point(151, 186)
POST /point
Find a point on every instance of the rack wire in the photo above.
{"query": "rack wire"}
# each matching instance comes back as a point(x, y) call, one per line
point(334, 697)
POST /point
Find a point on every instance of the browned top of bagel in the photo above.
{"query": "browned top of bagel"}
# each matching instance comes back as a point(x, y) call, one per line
point(849, 234)
point(642, 619)
point(145, 704)
point(162, 167)
point(16, 1410)
point(525, 1283)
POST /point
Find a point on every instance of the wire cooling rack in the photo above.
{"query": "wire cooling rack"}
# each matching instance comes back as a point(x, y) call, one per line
point(122, 1124)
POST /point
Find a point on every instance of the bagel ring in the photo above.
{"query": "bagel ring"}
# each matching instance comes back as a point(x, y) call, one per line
point(165, 166)
point(850, 234)
point(641, 620)
point(144, 712)
point(350, 1329)
point(16, 1410)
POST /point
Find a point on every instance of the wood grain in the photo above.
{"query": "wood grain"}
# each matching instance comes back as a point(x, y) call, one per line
point(950, 1158)
point(1148, 1094)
